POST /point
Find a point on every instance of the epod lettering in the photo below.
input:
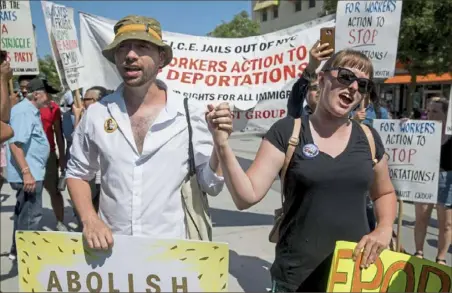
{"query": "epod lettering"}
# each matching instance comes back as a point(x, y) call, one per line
point(96, 282)
point(399, 276)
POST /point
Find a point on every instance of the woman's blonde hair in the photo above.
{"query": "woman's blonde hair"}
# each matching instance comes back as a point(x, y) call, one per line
point(352, 59)
point(441, 100)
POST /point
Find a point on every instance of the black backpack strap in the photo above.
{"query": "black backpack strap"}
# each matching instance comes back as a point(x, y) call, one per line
point(191, 154)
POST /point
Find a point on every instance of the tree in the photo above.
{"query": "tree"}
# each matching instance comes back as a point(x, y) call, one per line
point(240, 26)
point(424, 42)
point(424, 38)
point(48, 70)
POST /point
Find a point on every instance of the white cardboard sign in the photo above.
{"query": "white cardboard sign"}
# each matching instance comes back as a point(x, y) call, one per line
point(413, 149)
point(17, 37)
point(371, 27)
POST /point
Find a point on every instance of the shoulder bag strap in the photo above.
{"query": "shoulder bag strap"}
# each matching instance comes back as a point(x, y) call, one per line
point(191, 154)
point(371, 140)
point(293, 142)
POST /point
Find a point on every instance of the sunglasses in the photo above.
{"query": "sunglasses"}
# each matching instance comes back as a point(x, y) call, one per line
point(314, 87)
point(347, 77)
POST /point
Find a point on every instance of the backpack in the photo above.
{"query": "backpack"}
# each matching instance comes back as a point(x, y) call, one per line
point(198, 222)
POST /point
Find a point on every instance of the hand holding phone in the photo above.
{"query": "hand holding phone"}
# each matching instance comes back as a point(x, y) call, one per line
point(327, 35)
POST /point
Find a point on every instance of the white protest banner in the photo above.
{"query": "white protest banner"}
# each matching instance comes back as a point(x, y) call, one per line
point(64, 38)
point(47, 11)
point(371, 27)
point(17, 37)
point(61, 262)
point(449, 116)
point(251, 73)
point(413, 149)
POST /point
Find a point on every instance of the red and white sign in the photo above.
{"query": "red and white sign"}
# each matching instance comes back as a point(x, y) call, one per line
point(17, 37)
point(254, 74)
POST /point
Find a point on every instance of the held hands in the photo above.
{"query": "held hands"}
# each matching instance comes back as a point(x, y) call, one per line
point(219, 120)
point(371, 245)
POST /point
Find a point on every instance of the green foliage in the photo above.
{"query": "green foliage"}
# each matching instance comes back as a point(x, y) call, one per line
point(240, 26)
point(329, 6)
point(48, 70)
point(425, 36)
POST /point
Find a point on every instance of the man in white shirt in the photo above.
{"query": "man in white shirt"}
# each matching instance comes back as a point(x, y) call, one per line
point(140, 133)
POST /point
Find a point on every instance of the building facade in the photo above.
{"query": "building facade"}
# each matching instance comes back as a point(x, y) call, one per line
point(274, 15)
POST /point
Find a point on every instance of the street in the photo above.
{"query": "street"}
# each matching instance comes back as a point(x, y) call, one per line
point(246, 232)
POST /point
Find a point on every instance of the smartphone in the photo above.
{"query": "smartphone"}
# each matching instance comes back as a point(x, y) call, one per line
point(327, 35)
point(3, 55)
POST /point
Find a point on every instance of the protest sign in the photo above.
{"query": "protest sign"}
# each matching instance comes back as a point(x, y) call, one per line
point(59, 262)
point(254, 73)
point(449, 116)
point(62, 32)
point(391, 272)
point(371, 27)
point(17, 37)
point(47, 11)
point(413, 149)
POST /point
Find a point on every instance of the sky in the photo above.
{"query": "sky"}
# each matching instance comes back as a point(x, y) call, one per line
point(187, 17)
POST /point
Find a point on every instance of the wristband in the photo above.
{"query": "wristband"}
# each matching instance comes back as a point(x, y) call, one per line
point(25, 170)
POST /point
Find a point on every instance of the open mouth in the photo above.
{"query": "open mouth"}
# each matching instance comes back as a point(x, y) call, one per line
point(345, 99)
point(132, 71)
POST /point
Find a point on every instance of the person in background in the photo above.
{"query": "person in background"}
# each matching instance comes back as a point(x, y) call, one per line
point(437, 111)
point(312, 97)
point(93, 95)
point(417, 114)
point(68, 121)
point(307, 84)
point(366, 116)
point(24, 80)
point(51, 122)
point(27, 156)
point(326, 181)
point(372, 111)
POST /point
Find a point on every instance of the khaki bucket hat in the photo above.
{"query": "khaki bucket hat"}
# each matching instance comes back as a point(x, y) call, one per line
point(134, 27)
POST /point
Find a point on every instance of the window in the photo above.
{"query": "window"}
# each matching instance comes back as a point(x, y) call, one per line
point(297, 5)
point(312, 3)
point(264, 15)
point(275, 11)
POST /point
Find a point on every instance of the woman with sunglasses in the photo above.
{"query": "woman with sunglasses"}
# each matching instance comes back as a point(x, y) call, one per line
point(326, 182)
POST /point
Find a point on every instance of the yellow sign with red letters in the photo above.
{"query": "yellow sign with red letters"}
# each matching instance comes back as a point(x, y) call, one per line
point(392, 272)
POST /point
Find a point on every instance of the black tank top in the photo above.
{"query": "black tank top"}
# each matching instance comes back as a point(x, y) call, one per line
point(446, 156)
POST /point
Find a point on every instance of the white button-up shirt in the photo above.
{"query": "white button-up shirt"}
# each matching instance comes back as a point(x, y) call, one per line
point(141, 193)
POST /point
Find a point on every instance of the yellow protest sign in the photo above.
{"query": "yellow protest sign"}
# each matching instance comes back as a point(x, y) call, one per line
point(60, 262)
point(392, 272)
